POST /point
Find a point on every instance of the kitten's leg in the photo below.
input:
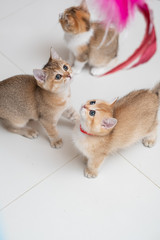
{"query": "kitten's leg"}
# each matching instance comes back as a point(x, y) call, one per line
point(85, 160)
point(20, 128)
point(71, 114)
point(150, 140)
point(55, 140)
point(77, 68)
point(91, 171)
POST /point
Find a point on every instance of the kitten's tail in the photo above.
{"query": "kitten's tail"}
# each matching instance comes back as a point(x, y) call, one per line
point(156, 89)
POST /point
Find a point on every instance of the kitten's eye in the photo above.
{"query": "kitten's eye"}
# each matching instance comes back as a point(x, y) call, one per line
point(65, 67)
point(92, 113)
point(92, 102)
point(58, 76)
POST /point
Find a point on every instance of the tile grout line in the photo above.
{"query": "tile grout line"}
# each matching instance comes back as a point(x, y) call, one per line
point(12, 62)
point(38, 183)
point(17, 10)
point(139, 171)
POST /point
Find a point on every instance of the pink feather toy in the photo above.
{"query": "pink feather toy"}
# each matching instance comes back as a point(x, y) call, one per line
point(118, 12)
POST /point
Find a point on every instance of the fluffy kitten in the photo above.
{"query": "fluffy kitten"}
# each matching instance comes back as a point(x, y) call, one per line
point(104, 128)
point(86, 40)
point(44, 97)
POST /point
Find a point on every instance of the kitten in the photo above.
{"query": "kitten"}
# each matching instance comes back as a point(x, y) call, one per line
point(105, 128)
point(44, 97)
point(86, 40)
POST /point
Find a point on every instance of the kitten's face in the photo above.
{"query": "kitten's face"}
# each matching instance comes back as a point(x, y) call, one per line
point(75, 19)
point(55, 76)
point(58, 75)
point(96, 117)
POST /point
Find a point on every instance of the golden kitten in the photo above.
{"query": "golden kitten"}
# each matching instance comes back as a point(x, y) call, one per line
point(86, 40)
point(44, 97)
point(105, 128)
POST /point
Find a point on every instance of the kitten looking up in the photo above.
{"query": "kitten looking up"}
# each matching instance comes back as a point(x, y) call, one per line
point(105, 128)
point(86, 40)
point(44, 97)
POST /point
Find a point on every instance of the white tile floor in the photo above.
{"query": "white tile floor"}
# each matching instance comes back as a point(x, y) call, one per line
point(44, 194)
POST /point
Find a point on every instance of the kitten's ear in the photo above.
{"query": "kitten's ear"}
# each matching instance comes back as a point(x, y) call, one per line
point(54, 54)
point(113, 102)
point(83, 5)
point(108, 123)
point(39, 75)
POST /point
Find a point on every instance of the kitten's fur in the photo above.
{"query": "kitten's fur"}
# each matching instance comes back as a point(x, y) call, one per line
point(40, 97)
point(85, 40)
point(116, 126)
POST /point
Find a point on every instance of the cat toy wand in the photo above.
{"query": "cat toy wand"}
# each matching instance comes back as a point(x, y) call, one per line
point(118, 12)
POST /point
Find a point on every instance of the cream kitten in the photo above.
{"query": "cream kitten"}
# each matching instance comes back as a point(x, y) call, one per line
point(105, 128)
point(86, 40)
point(44, 97)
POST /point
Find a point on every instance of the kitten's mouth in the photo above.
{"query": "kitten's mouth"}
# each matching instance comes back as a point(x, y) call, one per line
point(69, 77)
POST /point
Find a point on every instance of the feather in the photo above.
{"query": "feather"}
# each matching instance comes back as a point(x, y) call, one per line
point(118, 13)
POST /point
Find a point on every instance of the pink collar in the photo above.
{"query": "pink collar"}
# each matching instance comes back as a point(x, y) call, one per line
point(85, 132)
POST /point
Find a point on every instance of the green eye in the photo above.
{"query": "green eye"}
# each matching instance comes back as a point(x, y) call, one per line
point(92, 113)
point(58, 76)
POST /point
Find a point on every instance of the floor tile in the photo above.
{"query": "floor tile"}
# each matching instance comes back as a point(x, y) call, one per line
point(147, 160)
point(25, 162)
point(119, 204)
point(11, 7)
point(7, 68)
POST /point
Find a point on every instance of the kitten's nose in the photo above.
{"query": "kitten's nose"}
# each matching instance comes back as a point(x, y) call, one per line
point(69, 76)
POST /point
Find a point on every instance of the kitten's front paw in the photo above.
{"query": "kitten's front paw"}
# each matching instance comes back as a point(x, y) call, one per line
point(98, 71)
point(30, 133)
point(56, 144)
point(75, 117)
point(90, 173)
point(95, 72)
point(148, 142)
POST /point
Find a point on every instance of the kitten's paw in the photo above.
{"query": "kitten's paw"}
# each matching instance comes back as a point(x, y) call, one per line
point(95, 71)
point(90, 173)
point(75, 118)
point(72, 115)
point(148, 142)
point(30, 133)
point(57, 144)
